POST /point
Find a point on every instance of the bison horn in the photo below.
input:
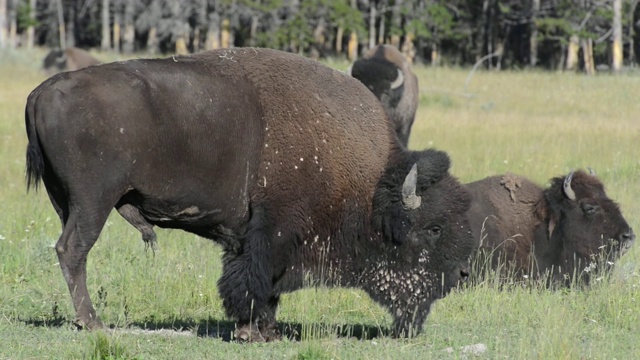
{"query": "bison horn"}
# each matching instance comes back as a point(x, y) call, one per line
point(568, 191)
point(398, 81)
point(348, 71)
point(410, 200)
point(591, 172)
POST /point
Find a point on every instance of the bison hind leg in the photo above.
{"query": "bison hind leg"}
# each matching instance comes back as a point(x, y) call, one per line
point(246, 283)
point(133, 216)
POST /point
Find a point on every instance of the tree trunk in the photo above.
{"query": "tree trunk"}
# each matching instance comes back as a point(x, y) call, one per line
point(13, 26)
point(181, 45)
point(3, 24)
point(572, 53)
point(319, 39)
point(339, 35)
point(381, 29)
point(372, 24)
point(105, 42)
point(408, 50)
point(213, 32)
point(201, 21)
point(396, 20)
point(632, 52)
point(61, 30)
point(225, 36)
point(152, 41)
point(31, 30)
point(435, 55)
point(253, 30)
point(352, 49)
point(70, 29)
point(587, 54)
point(129, 28)
point(617, 35)
point(533, 39)
point(485, 42)
point(116, 30)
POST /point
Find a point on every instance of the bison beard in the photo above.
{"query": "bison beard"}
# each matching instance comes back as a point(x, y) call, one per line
point(291, 166)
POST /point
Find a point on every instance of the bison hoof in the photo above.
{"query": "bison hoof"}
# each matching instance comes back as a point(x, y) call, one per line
point(92, 325)
point(249, 334)
point(252, 334)
point(270, 334)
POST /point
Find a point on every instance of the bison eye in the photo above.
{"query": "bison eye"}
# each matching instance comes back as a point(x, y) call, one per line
point(434, 231)
point(589, 209)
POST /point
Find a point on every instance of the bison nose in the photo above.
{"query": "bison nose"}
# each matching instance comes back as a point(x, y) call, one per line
point(627, 236)
point(464, 274)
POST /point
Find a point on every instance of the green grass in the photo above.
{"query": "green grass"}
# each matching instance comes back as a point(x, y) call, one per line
point(536, 124)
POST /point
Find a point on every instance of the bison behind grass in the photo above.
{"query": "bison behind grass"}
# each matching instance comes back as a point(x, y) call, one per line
point(565, 231)
point(291, 166)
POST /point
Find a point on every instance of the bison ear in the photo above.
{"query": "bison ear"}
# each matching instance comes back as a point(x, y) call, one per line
point(543, 215)
point(411, 201)
point(434, 166)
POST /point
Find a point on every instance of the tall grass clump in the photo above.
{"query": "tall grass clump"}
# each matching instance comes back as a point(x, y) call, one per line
point(106, 347)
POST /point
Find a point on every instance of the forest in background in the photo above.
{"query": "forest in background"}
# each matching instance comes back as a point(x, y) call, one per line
point(585, 35)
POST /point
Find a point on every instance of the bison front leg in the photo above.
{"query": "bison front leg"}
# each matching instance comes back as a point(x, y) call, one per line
point(408, 319)
point(246, 283)
point(264, 327)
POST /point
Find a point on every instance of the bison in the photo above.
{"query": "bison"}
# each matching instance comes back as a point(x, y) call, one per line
point(560, 231)
point(68, 59)
point(385, 71)
point(291, 166)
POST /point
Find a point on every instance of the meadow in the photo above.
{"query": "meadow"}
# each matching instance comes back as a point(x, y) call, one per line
point(164, 305)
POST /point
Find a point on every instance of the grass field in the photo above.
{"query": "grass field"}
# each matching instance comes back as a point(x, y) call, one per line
point(166, 305)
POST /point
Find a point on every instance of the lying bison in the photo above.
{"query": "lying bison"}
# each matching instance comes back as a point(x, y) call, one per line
point(386, 72)
point(560, 230)
point(68, 59)
point(291, 166)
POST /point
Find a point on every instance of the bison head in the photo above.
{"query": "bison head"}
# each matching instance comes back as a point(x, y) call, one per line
point(69, 59)
point(385, 71)
point(419, 209)
point(585, 226)
point(55, 61)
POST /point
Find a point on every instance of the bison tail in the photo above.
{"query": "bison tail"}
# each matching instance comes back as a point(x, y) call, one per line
point(35, 158)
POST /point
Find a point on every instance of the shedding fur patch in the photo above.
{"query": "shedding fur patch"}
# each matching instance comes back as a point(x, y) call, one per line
point(511, 182)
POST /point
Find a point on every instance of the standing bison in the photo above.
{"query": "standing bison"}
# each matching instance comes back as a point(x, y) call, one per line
point(291, 166)
point(386, 72)
point(68, 59)
point(560, 230)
